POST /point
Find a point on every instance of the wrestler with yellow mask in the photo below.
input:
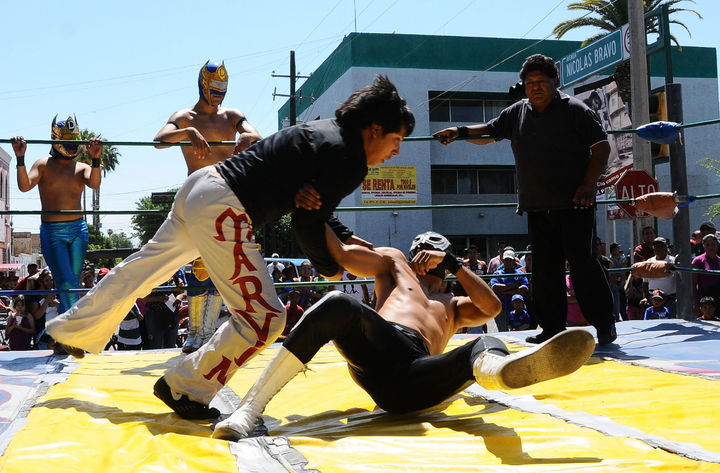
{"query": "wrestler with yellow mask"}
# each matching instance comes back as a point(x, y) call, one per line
point(64, 130)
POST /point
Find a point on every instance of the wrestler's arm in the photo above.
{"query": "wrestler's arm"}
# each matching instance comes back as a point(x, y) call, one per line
point(91, 174)
point(450, 134)
point(27, 180)
point(248, 133)
point(173, 132)
point(585, 194)
point(359, 259)
point(480, 305)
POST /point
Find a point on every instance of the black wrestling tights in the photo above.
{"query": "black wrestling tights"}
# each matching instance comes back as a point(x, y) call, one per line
point(393, 367)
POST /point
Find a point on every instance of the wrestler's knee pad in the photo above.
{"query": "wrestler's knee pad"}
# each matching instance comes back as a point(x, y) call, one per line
point(487, 343)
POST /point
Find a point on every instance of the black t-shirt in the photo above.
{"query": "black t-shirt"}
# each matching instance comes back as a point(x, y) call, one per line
point(266, 177)
point(551, 148)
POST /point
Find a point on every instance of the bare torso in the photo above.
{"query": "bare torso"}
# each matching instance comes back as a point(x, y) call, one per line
point(61, 186)
point(219, 126)
point(403, 299)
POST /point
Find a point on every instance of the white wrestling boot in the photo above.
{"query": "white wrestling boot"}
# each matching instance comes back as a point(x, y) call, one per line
point(559, 356)
point(282, 368)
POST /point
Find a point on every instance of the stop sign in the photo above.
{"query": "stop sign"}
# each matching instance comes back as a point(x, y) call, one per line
point(631, 185)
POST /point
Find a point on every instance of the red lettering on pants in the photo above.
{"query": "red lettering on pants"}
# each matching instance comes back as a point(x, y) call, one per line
point(221, 370)
point(238, 254)
point(243, 282)
point(262, 334)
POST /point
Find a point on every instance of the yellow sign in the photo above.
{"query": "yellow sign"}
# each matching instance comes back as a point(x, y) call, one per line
point(390, 185)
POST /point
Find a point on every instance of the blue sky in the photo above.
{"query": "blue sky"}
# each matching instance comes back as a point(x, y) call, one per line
point(123, 67)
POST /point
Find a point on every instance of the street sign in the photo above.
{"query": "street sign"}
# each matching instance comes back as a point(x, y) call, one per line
point(594, 58)
point(162, 197)
point(631, 185)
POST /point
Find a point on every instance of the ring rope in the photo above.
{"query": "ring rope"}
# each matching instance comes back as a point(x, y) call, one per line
point(80, 212)
point(119, 143)
point(233, 143)
point(293, 284)
point(677, 125)
point(684, 201)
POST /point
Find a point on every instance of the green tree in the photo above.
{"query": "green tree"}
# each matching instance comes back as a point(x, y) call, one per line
point(145, 225)
point(100, 241)
point(609, 15)
point(274, 237)
point(108, 162)
point(96, 240)
point(119, 240)
point(712, 165)
point(278, 237)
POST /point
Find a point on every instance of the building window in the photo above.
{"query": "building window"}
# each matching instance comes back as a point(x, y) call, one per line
point(467, 109)
point(473, 180)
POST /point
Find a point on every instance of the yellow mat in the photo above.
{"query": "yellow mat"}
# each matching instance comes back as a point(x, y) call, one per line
point(104, 418)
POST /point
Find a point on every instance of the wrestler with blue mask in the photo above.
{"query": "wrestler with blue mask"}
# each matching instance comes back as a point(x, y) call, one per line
point(206, 121)
point(61, 181)
point(212, 82)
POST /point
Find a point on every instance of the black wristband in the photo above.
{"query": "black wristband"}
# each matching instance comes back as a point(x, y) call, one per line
point(463, 132)
point(95, 162)
point(20, 161)
point(451, 263)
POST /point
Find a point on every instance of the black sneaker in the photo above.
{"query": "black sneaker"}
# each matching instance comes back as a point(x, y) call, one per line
point(606, 337)
point(62, 349)
point(181, 404)
point(541, 337)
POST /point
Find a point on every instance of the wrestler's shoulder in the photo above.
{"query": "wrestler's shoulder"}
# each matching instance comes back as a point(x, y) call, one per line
point(389, 251)
point(231, 112)
point(184, 114)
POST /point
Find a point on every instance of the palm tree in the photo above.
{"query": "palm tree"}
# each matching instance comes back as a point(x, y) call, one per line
point(108, 161)
point(609, 15)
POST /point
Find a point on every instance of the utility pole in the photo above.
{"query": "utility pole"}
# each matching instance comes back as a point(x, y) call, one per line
point(681, 222)
point(293, 96)
point(640, 95)
point(96, 206)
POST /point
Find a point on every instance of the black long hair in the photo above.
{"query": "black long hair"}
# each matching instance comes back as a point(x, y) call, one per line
point(378, 103)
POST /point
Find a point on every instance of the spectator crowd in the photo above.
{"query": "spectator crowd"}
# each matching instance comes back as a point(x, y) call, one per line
point(160, 319)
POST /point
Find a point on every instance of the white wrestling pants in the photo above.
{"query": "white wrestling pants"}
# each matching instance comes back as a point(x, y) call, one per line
point(206, 220)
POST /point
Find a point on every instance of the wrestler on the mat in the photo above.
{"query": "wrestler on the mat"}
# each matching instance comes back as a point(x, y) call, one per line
point(213, 216)
point(396, 354)
point(61, 181)
point(206, 121)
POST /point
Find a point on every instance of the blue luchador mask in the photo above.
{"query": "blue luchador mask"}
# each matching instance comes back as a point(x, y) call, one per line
point(212, 80)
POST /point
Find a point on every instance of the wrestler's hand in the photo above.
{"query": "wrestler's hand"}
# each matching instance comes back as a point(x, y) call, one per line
point(308, 198)
point(584, 196)
point(243, 142)
point(201, 148)
point(19, 145)
point(447, 135)
point(426, 260)
point(95, 148)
